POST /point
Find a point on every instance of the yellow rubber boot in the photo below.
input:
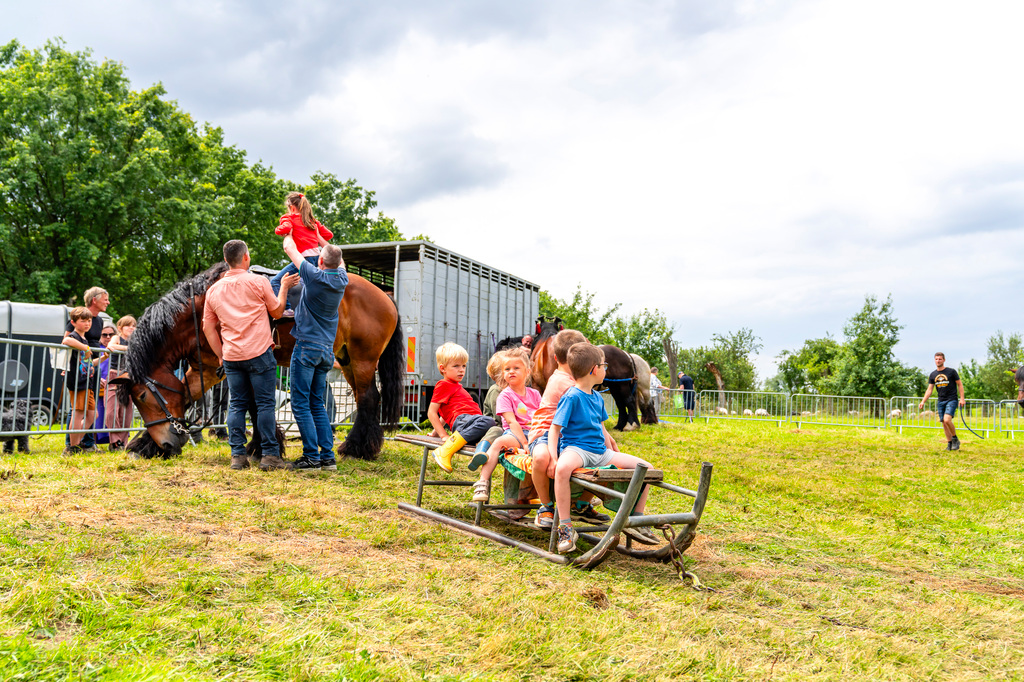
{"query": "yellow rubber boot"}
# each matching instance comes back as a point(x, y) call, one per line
point(443, 455)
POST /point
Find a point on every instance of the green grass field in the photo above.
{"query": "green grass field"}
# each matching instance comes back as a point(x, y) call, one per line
point(832, 554)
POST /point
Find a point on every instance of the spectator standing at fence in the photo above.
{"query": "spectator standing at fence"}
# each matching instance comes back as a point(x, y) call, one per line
point(108, 332)
point(118, 417)
point(96, 299)
point(80, 378)
point(946, 382)
point(655, 389)
point(236, 325)
point(686, 384)
point(316, 325)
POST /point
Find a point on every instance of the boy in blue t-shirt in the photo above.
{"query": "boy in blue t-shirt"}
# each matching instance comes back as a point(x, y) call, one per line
point(579, 437)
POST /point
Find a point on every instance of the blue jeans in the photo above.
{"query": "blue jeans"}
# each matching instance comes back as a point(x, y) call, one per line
point(290, 269)
point(256, 377)
point(308, 376)
point(944, 407)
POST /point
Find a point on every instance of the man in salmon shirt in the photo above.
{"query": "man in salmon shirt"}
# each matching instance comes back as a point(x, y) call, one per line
point(236, 324)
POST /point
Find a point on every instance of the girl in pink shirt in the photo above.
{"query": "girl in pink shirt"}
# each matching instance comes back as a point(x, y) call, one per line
point(516, 405)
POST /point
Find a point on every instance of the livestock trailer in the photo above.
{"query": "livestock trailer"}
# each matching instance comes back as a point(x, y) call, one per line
point(444, 296)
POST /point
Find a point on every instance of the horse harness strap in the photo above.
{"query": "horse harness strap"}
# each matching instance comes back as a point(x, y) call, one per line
point(154, 386)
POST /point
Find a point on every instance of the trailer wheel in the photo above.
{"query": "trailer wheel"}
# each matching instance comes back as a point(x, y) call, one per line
point(40, 415)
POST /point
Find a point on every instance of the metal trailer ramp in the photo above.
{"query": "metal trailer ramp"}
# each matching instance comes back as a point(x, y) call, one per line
point(679, 528)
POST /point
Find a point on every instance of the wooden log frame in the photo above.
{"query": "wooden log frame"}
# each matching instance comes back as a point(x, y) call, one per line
point(597, 481)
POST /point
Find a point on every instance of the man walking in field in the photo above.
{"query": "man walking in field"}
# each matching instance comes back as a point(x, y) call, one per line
point(947, 382)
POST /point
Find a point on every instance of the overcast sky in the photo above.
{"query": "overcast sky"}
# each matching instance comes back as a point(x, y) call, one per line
point(733, 164)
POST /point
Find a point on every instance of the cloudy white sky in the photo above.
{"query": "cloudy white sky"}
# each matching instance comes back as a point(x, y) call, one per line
point(734, 164)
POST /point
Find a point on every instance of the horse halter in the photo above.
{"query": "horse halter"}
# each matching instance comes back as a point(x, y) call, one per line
point(180, 424)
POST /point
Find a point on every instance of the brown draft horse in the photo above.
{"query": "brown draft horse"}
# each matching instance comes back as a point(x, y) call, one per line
point(543, 354)
point(369, 340)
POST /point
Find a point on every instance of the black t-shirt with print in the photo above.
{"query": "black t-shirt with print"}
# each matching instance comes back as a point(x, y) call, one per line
point(945, 382)
point(92, 337)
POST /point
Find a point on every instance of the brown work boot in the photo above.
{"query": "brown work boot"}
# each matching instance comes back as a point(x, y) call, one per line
point(239, 462)
point(273, 462)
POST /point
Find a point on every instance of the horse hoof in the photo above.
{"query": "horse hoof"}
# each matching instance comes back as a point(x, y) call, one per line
point(630, 427)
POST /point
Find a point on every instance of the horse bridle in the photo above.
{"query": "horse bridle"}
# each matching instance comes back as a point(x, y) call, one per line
point(182, 424)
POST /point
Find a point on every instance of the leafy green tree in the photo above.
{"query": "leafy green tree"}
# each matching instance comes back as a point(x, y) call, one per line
point(1005, 355)
point(582, 314)
point(808, 369)
point(866, 365)
point(731, 354)
point(102, 185)
point(643, 334)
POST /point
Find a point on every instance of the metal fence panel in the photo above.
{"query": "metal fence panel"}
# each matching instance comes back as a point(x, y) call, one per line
point(34, 372)
point(743, 405)
point(1010, 418)
point(835, 410)
point(905, 413)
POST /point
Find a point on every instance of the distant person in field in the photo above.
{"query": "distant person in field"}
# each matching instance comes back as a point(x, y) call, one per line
point(946, 382)
point(307, 233)
point(686, 384)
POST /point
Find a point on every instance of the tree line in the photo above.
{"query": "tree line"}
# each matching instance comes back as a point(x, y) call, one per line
point(862, 363)
point(104, 185)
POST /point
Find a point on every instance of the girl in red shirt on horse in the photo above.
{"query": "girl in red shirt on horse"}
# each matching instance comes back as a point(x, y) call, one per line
point(307, 232)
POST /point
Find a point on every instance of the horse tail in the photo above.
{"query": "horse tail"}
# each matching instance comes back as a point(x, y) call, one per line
point(389, 369)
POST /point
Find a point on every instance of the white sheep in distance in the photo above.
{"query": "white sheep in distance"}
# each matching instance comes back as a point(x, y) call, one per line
point(723, 410)
point(761, 412)
point(748, 413)
point(896, 414)
point(805, 413)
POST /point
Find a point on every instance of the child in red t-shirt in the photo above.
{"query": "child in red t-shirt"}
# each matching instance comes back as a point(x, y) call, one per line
point(452, 408)
point(307, 232)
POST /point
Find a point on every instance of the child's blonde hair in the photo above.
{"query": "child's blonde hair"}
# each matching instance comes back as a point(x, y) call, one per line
point(496, 368)
point(520, 353)
point(125, 321)
point(80, 313)
point(299, 201)
point(449, 352)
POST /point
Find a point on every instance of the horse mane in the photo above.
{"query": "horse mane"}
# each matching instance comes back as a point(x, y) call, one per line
point(158, 321)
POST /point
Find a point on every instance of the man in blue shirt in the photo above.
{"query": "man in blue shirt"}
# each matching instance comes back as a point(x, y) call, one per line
point(316, 325)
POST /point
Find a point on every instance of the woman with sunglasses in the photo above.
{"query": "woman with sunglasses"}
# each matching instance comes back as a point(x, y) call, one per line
point(118, 416)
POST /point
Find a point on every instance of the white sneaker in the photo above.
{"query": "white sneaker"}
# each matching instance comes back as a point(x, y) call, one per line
point(566, 538)
point(482, 491)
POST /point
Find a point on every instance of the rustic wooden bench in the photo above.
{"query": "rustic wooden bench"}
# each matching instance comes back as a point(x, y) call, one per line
point(601, 482)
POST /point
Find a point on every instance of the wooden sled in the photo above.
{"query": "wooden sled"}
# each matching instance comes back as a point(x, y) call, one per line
point(678, 528)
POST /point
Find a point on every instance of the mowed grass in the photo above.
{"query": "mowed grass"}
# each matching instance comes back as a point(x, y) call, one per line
point(831, 553)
